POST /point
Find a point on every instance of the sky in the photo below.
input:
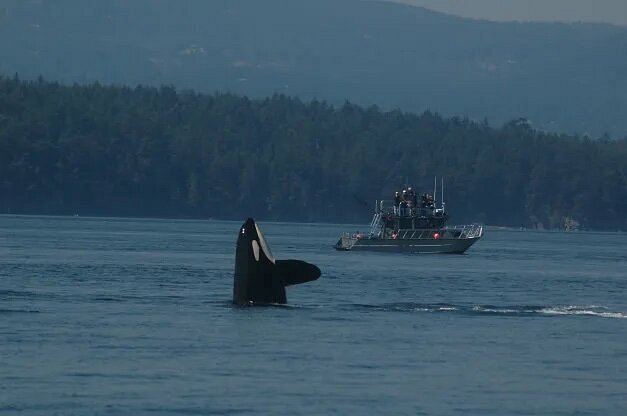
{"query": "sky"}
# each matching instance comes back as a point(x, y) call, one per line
point(608, 11)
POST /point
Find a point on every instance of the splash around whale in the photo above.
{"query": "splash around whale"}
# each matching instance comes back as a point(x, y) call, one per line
point(259, 278)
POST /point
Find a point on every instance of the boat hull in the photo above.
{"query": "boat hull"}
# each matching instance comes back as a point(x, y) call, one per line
point(412, 246)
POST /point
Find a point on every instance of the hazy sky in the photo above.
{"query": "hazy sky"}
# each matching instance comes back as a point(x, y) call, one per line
point(611, 11)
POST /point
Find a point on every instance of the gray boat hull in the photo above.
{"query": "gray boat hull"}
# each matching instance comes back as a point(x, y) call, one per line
point(413, 246)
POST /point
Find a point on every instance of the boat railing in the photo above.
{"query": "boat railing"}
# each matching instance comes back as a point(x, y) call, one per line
point(456, 232)
point(414, 234)
point(465, 231)
point(375, 225)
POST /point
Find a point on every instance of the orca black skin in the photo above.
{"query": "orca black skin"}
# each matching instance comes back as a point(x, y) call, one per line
point(259, 278)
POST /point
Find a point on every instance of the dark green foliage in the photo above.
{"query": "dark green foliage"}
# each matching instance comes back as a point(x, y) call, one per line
point(99, 150)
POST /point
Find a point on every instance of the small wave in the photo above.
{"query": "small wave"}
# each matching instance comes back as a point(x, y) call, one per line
point(436, 309)
point(586, 311)
point(135, 298)
point(507, 310)
point(17, 294)
point(407, 307)
point(25, 295)
point(594, 310)
point(17, 311)
point(106, 299)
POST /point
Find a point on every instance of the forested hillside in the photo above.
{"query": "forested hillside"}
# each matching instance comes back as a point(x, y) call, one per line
point(563, 77)
point(103, 150)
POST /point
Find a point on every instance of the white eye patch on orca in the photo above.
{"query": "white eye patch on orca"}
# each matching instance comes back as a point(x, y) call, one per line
point(255, 246)
point(264, 245)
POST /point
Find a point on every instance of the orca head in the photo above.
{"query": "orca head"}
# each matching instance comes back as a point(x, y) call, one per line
point(250, 234)
point(254, 280)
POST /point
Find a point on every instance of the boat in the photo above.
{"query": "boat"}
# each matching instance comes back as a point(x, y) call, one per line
point(409, 224)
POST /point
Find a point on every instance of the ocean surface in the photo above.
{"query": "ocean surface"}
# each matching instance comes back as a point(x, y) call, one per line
point(104, 316)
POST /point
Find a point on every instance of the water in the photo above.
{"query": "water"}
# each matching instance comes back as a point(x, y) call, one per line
point(133, 317)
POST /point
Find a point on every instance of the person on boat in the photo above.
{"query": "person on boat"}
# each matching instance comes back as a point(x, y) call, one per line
point(411, 200)
point(413, 197)
point(404, 202)
point(397, 201)
point(423, 200)
point(427, 200)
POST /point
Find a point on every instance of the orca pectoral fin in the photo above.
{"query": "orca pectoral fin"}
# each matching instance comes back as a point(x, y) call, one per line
point(294, 272)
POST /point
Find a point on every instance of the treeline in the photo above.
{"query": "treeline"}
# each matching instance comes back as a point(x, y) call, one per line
point(109, 150)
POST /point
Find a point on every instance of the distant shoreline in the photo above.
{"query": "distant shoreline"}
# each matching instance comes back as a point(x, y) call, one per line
point(349, 225)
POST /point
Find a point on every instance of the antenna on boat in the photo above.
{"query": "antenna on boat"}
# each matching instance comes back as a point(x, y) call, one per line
point(435, 189)
point(442, 193)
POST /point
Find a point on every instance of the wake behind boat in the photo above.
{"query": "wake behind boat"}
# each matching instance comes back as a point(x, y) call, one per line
point(409, 224)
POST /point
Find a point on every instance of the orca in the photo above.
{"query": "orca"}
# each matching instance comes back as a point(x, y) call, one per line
point(259, 278)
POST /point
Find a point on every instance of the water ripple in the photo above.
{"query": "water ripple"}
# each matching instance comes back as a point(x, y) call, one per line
point(516, 310)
